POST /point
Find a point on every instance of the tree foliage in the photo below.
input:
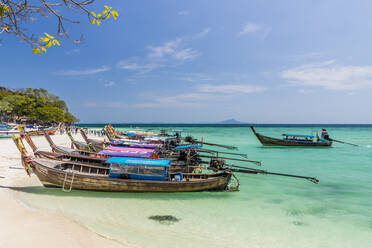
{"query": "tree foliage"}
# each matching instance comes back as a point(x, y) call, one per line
point(38, 105)
point(14, 15)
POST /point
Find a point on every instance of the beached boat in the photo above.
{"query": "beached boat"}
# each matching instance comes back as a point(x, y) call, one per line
point(99, 145)
point(124, 175)
point(39, 130)
point(7, 131)
point(68, 154)
point(291, 140)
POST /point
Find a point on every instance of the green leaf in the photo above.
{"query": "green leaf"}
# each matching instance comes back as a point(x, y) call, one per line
point(49, 36)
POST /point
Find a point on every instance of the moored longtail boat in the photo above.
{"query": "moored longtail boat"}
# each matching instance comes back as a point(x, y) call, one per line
point(68, 175)
point(67, 154)
point(291, 140)
point(101, 145)
point(122, 175)
point(7, 131)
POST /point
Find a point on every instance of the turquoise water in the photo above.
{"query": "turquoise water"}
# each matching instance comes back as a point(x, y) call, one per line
point(268, 211)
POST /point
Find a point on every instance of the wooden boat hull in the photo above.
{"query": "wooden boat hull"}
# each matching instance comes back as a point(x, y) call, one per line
point(268, 141)
point(52, 177)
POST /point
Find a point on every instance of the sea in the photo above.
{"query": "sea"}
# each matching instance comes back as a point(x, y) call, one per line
point(268, 211)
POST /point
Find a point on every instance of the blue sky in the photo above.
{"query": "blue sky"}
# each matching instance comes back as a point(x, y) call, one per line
point(206, 61)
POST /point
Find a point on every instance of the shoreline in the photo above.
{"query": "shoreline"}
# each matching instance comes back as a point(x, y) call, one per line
point(22, 224)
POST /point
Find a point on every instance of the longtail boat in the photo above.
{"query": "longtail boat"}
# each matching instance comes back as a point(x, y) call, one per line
point(134, 174)
point(122, 175)
point(179, 163)
point(7, 131)
point(291, 140)
point(99, 145)
point(39, 132)
point(133, 178)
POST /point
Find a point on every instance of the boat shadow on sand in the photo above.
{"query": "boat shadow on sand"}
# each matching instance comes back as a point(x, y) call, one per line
point(41, 190)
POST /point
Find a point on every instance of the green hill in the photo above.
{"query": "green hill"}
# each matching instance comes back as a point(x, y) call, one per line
point(34, 105)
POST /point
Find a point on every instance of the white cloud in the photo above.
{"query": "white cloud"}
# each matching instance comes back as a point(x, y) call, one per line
point(134, 66)
point(329, 75)
point(170, 53)
point(256, 29)
point(203, 33)
point(172, 50)
point(109, 83)
point(229, 88)
point(82, 72)
point(183, 13)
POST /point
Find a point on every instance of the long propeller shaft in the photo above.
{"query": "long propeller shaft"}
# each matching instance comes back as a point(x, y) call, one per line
point(257, 171)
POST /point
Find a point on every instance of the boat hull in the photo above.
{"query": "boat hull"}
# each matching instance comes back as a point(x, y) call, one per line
point(6, 134)
point(52, 177)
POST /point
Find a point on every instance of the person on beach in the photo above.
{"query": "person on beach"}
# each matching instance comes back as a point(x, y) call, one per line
point(325, 134)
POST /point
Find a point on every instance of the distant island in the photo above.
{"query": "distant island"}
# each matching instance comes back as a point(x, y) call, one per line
point(231, 121)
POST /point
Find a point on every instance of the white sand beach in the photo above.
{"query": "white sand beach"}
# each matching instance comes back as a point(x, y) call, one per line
point(22, 225)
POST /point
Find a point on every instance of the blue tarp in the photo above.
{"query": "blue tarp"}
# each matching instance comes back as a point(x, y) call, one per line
point(130, 133)
point(299, 135)
point(188, 146)
point(139, 161)
point(6, 125)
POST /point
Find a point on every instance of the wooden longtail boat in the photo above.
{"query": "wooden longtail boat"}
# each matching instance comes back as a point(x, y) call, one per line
point(7, 133)
point(100, 145)
point(50, 131)
point(69, 176)
point(122, 175)
point(68, 154)
point(136, 136)
point(291, 140)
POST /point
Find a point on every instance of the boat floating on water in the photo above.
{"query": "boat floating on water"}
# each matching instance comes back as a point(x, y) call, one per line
point(292, 140)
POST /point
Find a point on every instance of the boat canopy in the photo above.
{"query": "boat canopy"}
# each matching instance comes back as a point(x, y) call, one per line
point(119, 143)
point(188, 146)
point(138, 161)
point(139, 169)
point(127, 153)
point(123, 148)
point(299, 135)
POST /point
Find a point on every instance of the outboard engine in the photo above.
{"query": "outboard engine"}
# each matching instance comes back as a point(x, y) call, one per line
point(190, 139)
point(216, 164)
